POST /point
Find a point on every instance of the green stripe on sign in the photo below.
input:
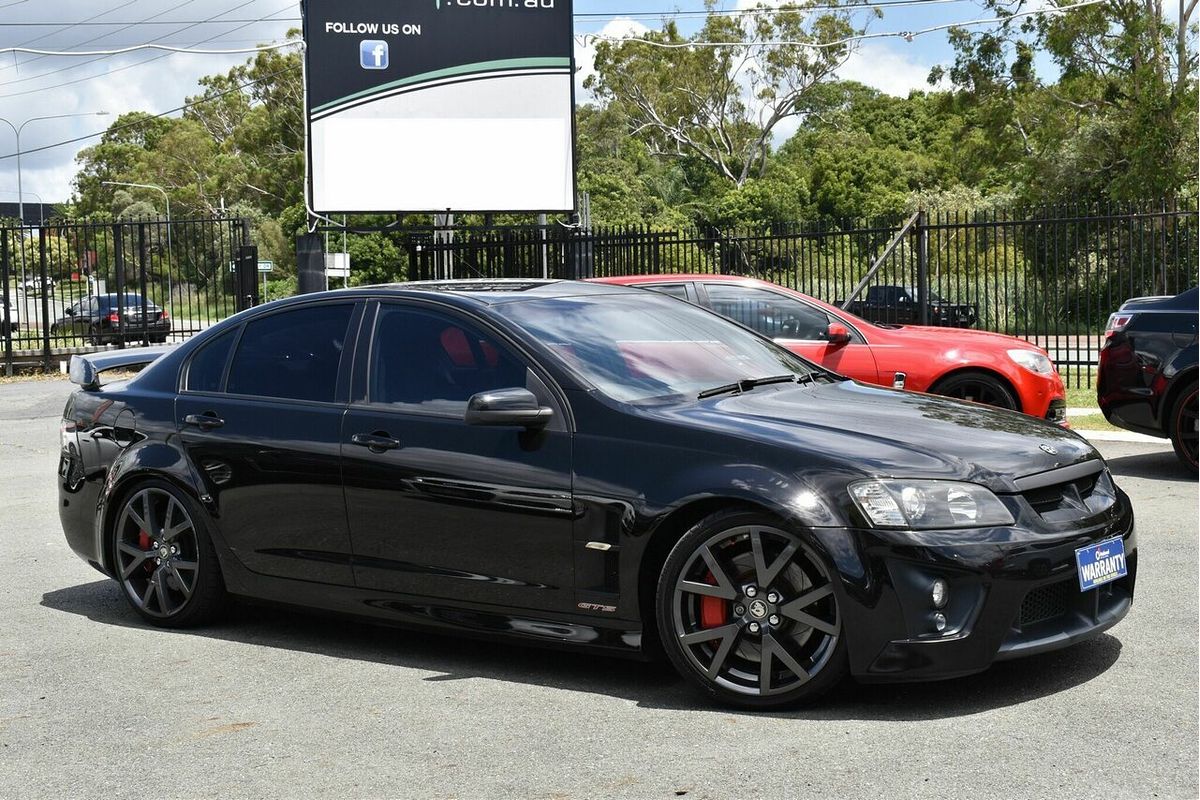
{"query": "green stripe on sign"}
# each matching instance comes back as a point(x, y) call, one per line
point(449, 72)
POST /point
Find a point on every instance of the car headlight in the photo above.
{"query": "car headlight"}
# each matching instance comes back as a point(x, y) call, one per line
point(925, 505)
point(1032, 361)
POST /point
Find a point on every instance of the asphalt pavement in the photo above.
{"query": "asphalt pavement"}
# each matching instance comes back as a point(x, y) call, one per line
point(275, 703)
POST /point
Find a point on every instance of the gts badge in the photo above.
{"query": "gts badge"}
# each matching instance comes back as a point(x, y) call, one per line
point(596, 607)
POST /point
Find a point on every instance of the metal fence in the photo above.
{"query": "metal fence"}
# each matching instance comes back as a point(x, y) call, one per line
point(1050, 274)
point(173, 278)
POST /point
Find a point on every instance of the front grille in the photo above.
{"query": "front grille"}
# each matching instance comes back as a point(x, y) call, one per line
point(1057, 412)
point(1081, 492)
point(1046, 603)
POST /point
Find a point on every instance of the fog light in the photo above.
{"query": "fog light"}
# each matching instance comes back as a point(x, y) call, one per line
point(939, 593)
point(939, 621)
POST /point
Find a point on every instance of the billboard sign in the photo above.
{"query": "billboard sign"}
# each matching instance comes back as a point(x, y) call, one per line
point(440, 105)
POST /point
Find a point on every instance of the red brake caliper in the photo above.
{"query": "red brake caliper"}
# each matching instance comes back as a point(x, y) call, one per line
point(144, 543)
point(714, 612)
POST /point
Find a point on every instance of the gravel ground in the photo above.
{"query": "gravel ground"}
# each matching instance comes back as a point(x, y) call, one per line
point(273, 703)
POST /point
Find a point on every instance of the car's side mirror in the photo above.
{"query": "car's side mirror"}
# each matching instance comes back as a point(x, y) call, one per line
point(70, 312)
point(838, 333)
point(507, 407)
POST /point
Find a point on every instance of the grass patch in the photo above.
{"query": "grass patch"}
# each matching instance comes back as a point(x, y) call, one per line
point(1082, 397)
point(1092, 422)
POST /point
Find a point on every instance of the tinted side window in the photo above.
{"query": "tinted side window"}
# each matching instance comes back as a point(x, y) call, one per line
point(768, 313)
point(674, 289)
point(293, 354)
point(207, 367)
point(423, 358)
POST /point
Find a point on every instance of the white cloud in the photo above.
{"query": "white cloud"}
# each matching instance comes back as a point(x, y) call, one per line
point(881, 67)
point(585, 50)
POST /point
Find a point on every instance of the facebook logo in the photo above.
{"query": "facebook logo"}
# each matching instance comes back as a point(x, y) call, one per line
point(373, 54)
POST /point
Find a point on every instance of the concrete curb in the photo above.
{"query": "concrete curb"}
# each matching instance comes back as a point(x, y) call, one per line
point(1121, 436)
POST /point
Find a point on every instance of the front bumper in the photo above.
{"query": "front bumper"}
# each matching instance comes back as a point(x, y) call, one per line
point(1013, 592)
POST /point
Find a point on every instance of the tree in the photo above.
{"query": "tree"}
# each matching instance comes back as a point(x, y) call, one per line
point(723, 104)
point(1119, 123)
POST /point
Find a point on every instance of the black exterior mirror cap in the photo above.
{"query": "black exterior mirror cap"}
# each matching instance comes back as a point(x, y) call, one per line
point(507, 407)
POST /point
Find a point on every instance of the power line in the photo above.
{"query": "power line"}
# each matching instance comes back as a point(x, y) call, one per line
point(133, 48)
point(27, 42)
point(907, 35)
point(769, 10)
point(584, 16)
point(138, 63)
point(135, 123)
point(68, 68)
point(94, 38)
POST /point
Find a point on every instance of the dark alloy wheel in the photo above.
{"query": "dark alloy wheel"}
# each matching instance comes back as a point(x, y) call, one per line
point(164, 559)
point(747, 611)
point(977, 387)
point(1184, 427)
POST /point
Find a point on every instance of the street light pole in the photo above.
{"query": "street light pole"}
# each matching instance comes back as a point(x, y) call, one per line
point(17, 131)
point(167, 197)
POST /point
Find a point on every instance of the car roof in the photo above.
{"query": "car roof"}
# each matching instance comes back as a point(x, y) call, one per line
point(476, 292)
point(1186, 301)
point(641, 280)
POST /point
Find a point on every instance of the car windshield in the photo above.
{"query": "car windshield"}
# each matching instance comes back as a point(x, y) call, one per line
point(934, 297)
point(643, 346)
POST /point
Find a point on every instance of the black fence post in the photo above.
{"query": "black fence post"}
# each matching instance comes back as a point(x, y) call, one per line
point(922, 232)
point(143, 284)
point(45, 276)
point(7, 308)
point(119, 274)
point(247, 277)
point(310, 263)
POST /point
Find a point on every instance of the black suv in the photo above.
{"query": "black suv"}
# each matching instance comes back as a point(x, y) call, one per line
point(110, 317)
point(1147, 377)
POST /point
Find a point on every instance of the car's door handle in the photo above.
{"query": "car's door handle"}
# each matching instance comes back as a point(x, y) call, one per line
point(205, 422)
point(377, 442)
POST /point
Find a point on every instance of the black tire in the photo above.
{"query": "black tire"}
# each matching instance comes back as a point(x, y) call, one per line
point(95, 338)
point(158, 340)
point(158, 537)
point(772, 582)
point(1182, 427)
point(978, 387)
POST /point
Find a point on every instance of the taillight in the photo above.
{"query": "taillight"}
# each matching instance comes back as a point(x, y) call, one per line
point(166, 314)
point(1117, 322)
point(114, 317)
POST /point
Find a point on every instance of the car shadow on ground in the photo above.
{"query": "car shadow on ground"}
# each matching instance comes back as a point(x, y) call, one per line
point(652, 685)
point(1160, 466)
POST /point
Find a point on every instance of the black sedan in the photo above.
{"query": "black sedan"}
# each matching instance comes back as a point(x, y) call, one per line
point(589, 466)
point(1148, 370)
point(112, 318)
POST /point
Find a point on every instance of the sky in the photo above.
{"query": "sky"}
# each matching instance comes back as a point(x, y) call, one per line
point(35, 86)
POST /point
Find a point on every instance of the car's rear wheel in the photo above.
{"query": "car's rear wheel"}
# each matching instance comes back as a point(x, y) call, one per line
point(164, 558)
point(747, 612)
point(977, 387)
point(1184, 426)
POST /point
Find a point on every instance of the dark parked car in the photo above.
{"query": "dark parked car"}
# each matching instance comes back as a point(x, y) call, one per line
point(1147, 380)
point(899, 305)
point(101, 318)
point(591, 466)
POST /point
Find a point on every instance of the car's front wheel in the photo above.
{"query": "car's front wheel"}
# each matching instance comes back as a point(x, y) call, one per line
point(748, 613)
point(1184, 427)
point(164, 558)
point(977, 387)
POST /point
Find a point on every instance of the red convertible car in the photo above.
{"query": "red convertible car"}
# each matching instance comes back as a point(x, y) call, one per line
point(984, 367)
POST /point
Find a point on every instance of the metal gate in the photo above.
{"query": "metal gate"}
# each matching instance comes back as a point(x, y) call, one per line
point(70, 287)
